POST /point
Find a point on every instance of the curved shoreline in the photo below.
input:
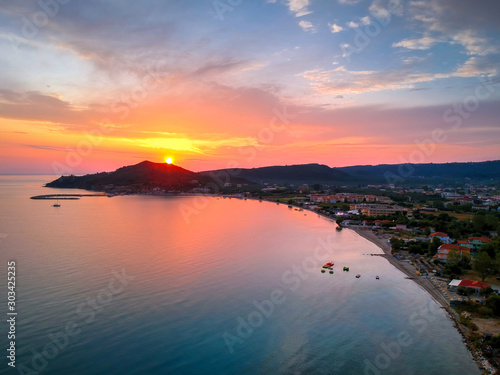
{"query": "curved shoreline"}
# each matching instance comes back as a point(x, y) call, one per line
point(425, 284)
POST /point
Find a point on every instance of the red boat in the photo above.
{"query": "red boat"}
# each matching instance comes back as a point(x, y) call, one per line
point(328, 265)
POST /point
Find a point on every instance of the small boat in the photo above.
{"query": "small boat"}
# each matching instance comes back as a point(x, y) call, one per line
point(328, 265)
point(290, 206)
point(358, 276)
point(331, 272)
point(56, 204)
point(377, 277)
point(322, 271)
point(346, 269)
point(339, 228)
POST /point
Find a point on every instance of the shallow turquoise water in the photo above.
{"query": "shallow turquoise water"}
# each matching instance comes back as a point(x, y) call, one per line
point(156, 285)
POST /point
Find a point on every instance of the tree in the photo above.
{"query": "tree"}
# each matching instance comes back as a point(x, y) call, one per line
point(479, 222)
point(434, 245)
point(493, 301)
point(484, 265)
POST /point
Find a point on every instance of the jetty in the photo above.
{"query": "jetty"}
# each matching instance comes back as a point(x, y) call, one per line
point(66, 196)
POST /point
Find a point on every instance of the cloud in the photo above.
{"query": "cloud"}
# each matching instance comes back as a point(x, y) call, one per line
point(455, 22)
point(352, 25)
point(365, 20)
point(336, 28)
point(299, 7)
point(477, 66)
point(341, 81)
point(349, 2)
point(36, 106)
point(307, 26)
point(423, 43)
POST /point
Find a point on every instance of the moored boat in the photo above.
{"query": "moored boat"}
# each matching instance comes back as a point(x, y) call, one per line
point(328, 265)
point(358, 276)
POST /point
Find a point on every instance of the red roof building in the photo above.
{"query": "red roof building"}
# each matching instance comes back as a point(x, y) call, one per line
point(445, 249)
point(478, 285)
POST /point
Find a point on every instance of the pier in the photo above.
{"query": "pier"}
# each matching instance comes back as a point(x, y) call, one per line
point(66, 196)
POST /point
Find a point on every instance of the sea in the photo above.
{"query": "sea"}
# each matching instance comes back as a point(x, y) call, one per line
point(133, 285)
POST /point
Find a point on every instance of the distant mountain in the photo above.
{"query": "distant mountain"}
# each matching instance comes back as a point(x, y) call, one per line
point(149, 175)
point(289, 174)
point(369, 174)
point(446, 172)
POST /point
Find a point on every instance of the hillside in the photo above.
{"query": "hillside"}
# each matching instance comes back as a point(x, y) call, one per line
point(149, 175)
point(140, 176)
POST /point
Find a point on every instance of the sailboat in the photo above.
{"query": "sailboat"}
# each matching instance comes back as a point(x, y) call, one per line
point(56, 204)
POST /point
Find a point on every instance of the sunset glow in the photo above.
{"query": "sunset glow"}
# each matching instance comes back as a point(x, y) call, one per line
point(168, 160)
point(263, 83)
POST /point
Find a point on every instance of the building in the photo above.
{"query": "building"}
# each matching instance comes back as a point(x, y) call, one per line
point(376, 209)
point(443, 237)
point(478, 242)
point(475, 286)
point(445, 249)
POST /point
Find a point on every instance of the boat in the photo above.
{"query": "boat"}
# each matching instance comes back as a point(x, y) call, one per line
point(56, 204)
point(338, 228)
point(290, 206)
point(358, 276)
point(322, 271)
point(328, 265)
point(346, 269)
point(377, 277)
point(331, 272)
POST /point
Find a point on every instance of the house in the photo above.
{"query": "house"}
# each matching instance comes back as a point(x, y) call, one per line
point(478, 242)
point(465, 243)
point(476, 286)
point(401, 227)
point(442, 236)
point(445, 249)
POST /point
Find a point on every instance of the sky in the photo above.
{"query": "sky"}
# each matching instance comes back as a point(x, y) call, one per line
point(89, 86)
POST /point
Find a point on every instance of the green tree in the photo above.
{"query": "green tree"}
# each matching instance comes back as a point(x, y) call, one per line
point(493, 301)
point(484, 265)
point(479, 222)
point(434, 245)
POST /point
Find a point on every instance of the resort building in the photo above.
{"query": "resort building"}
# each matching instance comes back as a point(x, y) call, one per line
point(443, 237)
point(376, 209)
point(475, 286)
point(478, 242)
point(445, 249)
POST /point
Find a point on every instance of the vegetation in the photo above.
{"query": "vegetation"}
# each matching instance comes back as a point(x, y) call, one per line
point(484, 265)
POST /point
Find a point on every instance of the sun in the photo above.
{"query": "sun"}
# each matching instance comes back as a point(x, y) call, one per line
point(169, 160)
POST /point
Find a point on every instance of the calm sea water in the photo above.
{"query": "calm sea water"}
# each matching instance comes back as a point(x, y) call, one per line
point(157, 285)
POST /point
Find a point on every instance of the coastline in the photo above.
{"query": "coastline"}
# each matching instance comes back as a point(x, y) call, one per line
point(483, 365)
point(424, 283)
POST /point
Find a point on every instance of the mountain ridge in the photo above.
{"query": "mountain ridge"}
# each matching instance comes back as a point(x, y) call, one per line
point(148, 175)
